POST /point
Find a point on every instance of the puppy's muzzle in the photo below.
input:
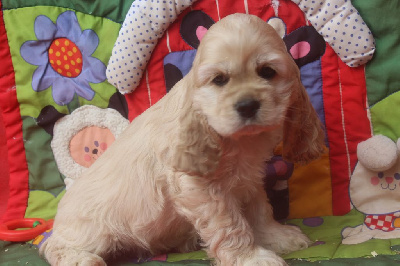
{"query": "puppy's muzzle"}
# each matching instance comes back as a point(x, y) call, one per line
point(247, 108)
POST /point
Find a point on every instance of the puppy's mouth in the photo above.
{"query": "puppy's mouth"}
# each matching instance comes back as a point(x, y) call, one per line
point(252, 129)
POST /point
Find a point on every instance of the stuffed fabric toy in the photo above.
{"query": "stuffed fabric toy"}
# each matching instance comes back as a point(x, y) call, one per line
point(374, 191)
point(81, 138)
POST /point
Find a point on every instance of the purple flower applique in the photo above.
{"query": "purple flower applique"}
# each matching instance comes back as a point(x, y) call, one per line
point(63, 54)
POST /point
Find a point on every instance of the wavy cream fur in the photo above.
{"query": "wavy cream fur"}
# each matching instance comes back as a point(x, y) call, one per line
point(190, 169)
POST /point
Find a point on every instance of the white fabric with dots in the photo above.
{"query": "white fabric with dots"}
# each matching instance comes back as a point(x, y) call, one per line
point(342, 27)
point(144, 24)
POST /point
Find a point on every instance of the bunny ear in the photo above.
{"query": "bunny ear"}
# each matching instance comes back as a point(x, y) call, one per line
point(278, 25)
point(378, 153)
point(48, 117)
point(305, 45)
point(172, 75)
point(194, 25)
point(118, 102)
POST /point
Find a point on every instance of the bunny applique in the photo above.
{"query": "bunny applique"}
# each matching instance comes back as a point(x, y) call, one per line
point(81, 137)
point(375, 191)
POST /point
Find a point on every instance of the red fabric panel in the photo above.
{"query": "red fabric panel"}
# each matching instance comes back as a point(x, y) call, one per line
point(355, 106)
point(344, 89)
point(344, 93)
point(152, 85)
point(18, 189)
point(291, 14)
point(4, 168)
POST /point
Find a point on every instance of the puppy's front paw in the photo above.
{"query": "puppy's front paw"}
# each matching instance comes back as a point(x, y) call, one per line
point(285, 239)
point(92, 261)
point(68, 256)
point(261, 257)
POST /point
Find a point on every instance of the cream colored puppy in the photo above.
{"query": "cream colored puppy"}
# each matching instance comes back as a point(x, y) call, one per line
point(189, 171)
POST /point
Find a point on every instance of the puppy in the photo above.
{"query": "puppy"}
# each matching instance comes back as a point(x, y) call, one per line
point(189, 171)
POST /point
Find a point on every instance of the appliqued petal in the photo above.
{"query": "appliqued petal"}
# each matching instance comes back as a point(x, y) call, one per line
point(88, 42)
point(84, 90)
point(45, 29)
point(43, 77)
point(35, 52)
point(68, 26)
point(94, 70)
point(63, 90)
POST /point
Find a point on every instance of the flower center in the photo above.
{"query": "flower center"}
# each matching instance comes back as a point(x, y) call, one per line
point(65, 58)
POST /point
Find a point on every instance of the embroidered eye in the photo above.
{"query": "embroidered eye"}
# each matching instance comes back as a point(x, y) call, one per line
point(96, 143)
point(220, 80)
point(266, 72)
point(397, 176)
point(86, 149)
point(380, 174)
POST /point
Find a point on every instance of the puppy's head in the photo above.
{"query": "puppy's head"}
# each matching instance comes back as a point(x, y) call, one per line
point(246, 82)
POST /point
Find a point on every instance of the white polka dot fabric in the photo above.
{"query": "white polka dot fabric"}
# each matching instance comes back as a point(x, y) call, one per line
point(144, 24)
point(342, 27)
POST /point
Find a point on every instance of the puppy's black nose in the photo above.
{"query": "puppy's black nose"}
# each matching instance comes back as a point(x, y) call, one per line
point(95, 151)
point(247, 108)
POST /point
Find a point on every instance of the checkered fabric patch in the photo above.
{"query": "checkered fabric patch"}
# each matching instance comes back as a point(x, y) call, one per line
point(381, 222)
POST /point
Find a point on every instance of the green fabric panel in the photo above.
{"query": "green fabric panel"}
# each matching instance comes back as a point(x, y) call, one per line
point(115, 10)
point(165, 263)
point(42, 204)
point(383, 116)
point(197, 255)
point(25, 254)
point(328, 234)
point(371, 261)
point(12, 254)
point(32, 102)
point(180, 263)
point(43, 171)
point(382, 74)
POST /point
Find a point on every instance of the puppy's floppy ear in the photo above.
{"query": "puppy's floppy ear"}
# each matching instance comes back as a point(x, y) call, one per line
point(303, 139)
point(198, 149)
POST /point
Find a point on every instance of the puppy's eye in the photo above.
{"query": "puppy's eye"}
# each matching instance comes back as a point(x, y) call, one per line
point(266, 72)
point(220, 80)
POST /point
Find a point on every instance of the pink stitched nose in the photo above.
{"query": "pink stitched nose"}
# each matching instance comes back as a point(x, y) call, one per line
point(389, 180)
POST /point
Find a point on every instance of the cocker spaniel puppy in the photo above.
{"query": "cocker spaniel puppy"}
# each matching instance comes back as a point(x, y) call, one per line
point(188, 172)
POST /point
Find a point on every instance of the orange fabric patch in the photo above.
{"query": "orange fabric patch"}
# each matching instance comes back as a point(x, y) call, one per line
point(310, 189)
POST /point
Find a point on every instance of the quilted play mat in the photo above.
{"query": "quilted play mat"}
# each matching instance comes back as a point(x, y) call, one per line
point(74, 73)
